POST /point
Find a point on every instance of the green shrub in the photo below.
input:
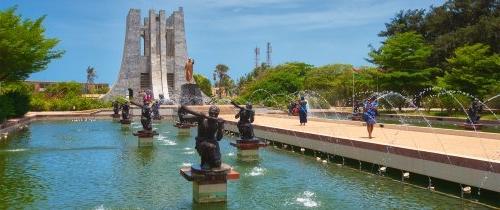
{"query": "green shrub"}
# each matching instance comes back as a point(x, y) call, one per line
point(39, 103)
point(64, 89)
point(20, 102)
point(6, 107)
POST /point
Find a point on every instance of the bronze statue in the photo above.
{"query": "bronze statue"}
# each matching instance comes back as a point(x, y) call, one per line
point(188, 69)
point(473, 112)
point(156, 110)
point(210, 132)
point(185, 120)
point(246, 115)
point(116, 108)
point(125, 111)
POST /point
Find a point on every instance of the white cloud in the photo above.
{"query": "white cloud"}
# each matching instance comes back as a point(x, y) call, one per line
point(330, 16)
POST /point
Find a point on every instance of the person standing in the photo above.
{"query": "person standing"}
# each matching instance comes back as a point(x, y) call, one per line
point(303, 111)
point(369, 114)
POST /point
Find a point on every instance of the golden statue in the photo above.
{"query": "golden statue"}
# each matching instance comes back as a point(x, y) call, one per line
point(188, 69)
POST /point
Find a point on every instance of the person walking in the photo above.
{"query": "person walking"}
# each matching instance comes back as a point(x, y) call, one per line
point(369, 114)
point(303, 111)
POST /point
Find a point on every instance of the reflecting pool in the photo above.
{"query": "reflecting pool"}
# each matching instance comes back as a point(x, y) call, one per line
point(98, 165)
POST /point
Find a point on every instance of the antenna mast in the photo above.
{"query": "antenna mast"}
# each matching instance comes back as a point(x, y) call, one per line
point(257, 55)
point(269, 51)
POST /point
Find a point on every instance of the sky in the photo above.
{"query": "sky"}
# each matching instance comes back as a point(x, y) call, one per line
point(317, 32)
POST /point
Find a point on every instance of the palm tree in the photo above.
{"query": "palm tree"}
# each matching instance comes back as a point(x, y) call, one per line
point(221, 70)
point(91, 75)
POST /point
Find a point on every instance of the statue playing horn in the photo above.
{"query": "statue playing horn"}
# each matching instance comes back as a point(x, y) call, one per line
point(210, 132)
point(188, 69)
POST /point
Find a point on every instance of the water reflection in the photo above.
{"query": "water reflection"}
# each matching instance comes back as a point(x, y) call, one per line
point(19, 177)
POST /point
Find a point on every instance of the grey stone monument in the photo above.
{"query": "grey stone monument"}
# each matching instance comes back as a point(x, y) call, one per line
point(154, 55)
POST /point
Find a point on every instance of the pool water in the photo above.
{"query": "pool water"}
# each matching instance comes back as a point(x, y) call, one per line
point(98, 165)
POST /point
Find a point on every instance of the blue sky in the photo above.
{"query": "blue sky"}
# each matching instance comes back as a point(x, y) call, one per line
point(218, 31)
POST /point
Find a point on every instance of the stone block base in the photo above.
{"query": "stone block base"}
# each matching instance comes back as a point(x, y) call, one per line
point(248, 154)
point(184, 132)
point(472, 126)
point(145, 141)
point(248, 150)
point(209, 186)
point(209, 193)
point(145, 137)
point(356, 118)
point(125, 121)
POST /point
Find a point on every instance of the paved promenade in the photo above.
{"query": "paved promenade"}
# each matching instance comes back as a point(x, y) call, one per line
point(469, 147)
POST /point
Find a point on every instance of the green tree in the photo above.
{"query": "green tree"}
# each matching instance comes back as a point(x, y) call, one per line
point(451, 25)
point(405, 21)
point(91, 75)
point(24, 49)
point(203, 83)
point(221, 71)
point(474, 69)
point(403, 57)
point(283, 79)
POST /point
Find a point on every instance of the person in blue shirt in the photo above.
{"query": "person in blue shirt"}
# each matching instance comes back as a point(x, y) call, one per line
point(369, 114)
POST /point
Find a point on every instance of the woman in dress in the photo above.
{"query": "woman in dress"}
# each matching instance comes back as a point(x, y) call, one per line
point(369, 114)
point(303, 111)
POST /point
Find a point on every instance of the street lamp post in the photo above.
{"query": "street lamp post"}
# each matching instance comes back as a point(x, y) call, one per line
point(353, 90)
point(215, 78)
point(354, 70)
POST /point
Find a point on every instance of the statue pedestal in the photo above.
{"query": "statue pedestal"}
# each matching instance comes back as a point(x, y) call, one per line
point(470, 126)
point(191, 95)
point(184, 129)
point(356, 117)
point(116, 117)
point(145, 138)
point(248, 150)
point(209, 186)
point(125, 122)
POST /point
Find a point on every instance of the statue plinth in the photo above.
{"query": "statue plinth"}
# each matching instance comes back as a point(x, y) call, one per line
point(248, 149)
point(209, 185)
point(184, 125)
point(145, 137)
point(356, 117)
point(125, 122)
point(184, 129)
point(191, 95)
point(471, 126)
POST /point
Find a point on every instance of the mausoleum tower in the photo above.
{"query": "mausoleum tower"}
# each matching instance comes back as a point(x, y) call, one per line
point(154, 55)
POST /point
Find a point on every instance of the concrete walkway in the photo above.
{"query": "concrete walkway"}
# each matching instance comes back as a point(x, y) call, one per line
point(469, 147)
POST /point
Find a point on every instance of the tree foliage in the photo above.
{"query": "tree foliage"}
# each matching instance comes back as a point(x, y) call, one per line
point(204, 84)
point(451, 25)
point(64, 96)
point(474, 69)
point(403, 57)
point(24, 48)
point(283, 79)
point(224, 80)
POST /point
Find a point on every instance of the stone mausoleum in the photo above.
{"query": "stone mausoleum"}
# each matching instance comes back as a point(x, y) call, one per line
point(154, 55)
